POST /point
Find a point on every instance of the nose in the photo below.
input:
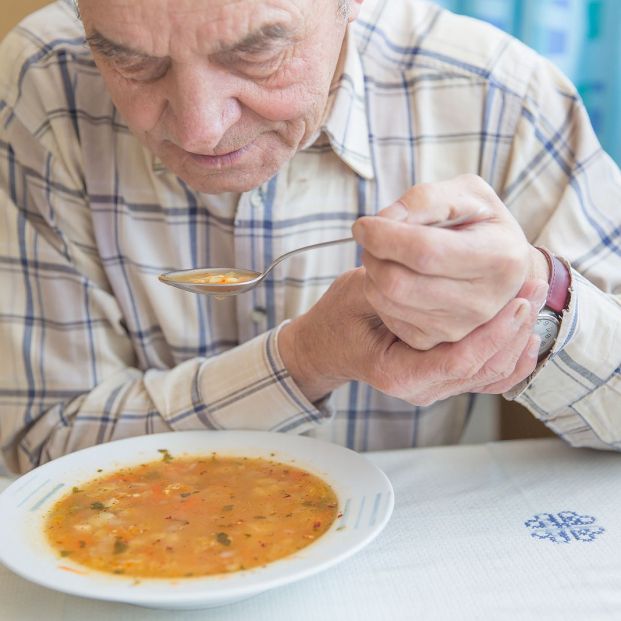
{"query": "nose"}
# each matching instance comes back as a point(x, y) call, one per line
point(202, 108)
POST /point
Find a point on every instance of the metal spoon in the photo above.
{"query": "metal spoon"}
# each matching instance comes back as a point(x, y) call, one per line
point(248, 279)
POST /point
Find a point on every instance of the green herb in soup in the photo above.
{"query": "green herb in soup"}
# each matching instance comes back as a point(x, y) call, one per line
point(191, 516)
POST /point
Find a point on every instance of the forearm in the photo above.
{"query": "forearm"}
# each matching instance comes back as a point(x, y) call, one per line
point(247, 387)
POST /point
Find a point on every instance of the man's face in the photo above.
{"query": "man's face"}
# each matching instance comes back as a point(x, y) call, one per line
point(222, 91)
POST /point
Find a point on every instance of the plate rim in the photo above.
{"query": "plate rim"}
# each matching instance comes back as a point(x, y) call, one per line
point(229, 592)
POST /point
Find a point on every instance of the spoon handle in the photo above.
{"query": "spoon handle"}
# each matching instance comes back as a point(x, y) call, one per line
point(442, 224)
point(282, 257)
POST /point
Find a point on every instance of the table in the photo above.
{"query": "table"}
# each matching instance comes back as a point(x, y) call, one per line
point(464, 542)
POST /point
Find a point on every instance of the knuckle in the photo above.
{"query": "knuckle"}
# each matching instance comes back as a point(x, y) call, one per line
point(454, 334)
point(471, 179)
point(491, 308)
point(441, 331)
point(461, 366)
point(480, 316)
point(478, 184)
point(410, 334)
point(425, 400)
point(371, 293)
point(420, 193)
point(423, 339)
point(422, 342)
point(424, 258)
point(496, 371)
point(511, 264)
point(392, 282)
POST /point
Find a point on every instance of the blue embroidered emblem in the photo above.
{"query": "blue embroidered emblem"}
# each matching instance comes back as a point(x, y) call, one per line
point(564, 527)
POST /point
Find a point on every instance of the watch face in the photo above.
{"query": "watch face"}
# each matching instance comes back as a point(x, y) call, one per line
point(546, 328)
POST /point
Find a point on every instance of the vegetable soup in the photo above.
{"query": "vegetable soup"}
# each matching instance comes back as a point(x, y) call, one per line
point(227, 278)
point(191, 516)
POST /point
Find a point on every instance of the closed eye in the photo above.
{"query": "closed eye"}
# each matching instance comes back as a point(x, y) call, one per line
point(141, 70)
point(257, 66)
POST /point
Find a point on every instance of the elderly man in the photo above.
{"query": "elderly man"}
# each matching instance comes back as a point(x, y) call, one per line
point(150, 135)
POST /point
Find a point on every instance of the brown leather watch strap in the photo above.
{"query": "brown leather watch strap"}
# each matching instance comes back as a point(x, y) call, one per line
point(558, 292)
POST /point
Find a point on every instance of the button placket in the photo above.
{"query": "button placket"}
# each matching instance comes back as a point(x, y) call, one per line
point(248, 247)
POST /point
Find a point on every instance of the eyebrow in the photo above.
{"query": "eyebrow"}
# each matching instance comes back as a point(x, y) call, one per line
point(258, 40)
point(254, 42)
point(111, 49)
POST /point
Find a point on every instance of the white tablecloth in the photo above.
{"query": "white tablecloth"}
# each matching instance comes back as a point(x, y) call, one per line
point(510, 530)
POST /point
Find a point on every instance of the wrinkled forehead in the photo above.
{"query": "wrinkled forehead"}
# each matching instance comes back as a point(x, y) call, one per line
point(176, 27)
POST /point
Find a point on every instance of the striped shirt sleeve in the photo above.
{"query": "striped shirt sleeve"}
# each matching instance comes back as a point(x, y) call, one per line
point(559, 166)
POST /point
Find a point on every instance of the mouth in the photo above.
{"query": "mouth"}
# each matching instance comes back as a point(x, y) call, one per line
point(219, 162)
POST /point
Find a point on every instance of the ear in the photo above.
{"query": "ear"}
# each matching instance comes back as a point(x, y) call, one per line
point(354, 10)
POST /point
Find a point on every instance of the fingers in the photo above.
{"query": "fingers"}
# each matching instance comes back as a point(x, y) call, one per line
point(464, 360)
point(525, 366)
point(422, 249)
point(493, 358)
point(502, 365)
point(410, 334)
point(498, 334)
point(393, 283)
point(422, 300)
point(493, 244)
point(515, 356)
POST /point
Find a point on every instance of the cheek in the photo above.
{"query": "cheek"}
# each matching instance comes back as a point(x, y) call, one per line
point(300, 92)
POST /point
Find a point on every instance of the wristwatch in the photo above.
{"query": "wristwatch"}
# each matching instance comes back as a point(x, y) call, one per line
point(549, 318)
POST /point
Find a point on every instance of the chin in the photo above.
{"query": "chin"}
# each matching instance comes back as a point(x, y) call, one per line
point(229, 181)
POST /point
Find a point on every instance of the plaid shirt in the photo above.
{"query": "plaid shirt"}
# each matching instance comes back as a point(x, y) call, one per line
point(94, 348)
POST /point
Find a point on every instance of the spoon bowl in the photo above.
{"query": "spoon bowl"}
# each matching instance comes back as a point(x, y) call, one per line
point(188, 280)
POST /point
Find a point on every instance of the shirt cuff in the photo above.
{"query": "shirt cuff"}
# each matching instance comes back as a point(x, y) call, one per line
point(573, 389)
point(247, 387)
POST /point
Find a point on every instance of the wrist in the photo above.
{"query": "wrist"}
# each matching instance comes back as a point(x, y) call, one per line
point(306, 368)
point(539, 268)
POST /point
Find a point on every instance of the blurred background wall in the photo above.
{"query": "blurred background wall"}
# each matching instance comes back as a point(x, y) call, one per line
point(583, 37)
point(11, 11)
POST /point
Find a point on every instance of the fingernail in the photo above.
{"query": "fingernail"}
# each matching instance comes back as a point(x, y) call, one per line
point(521, 313)
point(396, 211)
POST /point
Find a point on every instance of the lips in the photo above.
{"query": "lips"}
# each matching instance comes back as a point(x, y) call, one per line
point(225, 160)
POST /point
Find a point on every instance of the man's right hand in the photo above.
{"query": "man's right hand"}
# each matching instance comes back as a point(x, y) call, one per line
point(341, 339)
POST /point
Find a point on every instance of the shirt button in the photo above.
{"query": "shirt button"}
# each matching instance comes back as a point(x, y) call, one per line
point(255, 200)
point(258, 315)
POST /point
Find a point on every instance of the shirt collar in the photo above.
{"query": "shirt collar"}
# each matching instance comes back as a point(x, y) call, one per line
point(346, 124)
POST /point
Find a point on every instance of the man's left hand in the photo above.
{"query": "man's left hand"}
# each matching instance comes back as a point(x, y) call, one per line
point(432, 285)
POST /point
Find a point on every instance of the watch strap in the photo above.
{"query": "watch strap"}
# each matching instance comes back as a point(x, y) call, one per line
point(559, 282)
